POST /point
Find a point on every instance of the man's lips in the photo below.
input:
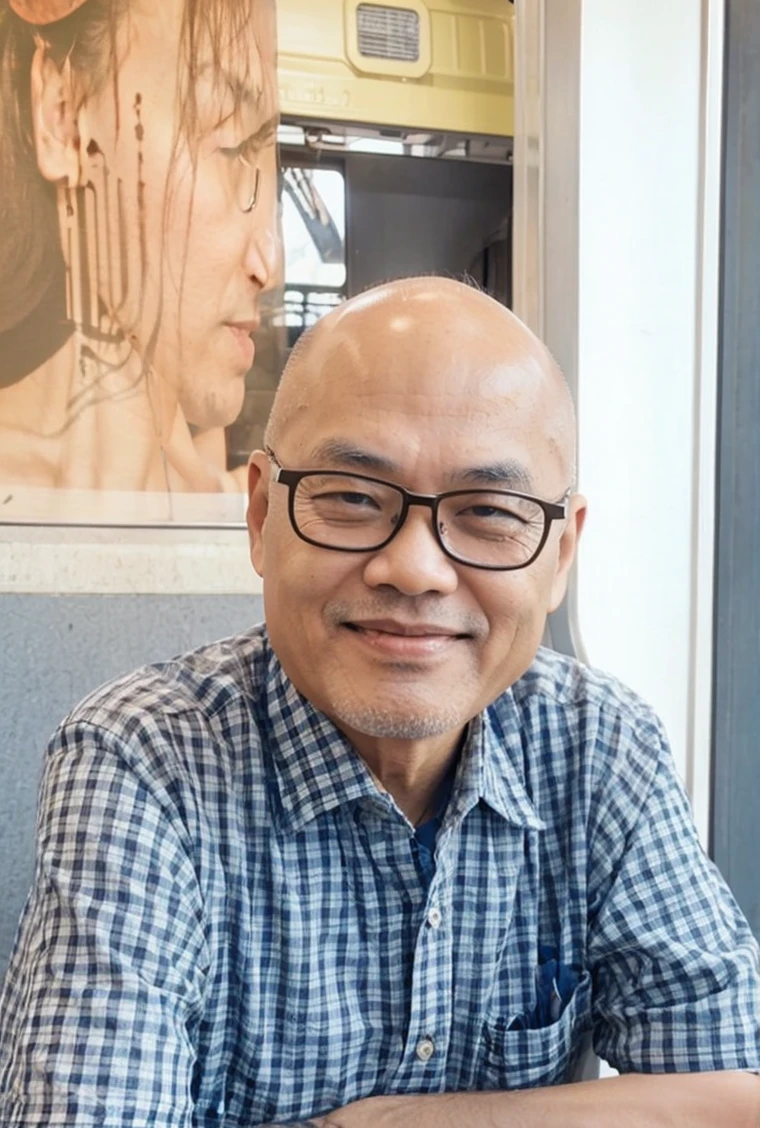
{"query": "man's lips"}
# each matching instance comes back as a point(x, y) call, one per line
point(406, 630)
point(400, 639)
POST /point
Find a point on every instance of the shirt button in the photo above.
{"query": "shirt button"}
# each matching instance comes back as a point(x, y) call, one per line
point(434, 918)
point(425, 1049)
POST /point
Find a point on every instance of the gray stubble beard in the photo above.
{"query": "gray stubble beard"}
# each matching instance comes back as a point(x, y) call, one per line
point(389, 725)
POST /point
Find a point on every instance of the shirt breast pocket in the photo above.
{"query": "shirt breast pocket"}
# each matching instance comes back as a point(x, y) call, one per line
point(517, 1054)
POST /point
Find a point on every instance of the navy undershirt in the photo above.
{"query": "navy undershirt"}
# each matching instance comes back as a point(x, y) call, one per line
point(423, 842)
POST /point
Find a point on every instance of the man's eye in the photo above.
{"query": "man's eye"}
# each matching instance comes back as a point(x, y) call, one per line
point(491, 513)
point(349, 498)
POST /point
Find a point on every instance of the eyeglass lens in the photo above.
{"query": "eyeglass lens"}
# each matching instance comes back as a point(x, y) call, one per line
point(483, 527)
point(246, 177)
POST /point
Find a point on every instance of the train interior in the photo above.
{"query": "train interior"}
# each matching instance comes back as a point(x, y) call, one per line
point(398, 157)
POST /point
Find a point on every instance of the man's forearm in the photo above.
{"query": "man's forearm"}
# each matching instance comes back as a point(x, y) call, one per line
point(634, 1101)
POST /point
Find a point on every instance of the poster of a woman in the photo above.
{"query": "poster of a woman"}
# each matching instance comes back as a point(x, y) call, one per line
point(138, 231)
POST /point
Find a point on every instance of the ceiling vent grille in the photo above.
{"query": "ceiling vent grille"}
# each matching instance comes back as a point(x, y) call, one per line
point(388, 33)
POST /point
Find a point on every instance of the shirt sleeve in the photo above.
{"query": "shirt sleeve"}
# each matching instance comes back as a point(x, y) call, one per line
point(676, 969)
point(105, 984)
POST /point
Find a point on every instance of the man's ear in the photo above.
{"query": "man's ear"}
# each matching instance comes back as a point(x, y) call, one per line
point(54, 116)
point(258, 506)
point(567, 548)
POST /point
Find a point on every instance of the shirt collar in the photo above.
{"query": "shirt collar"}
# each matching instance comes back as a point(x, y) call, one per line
point(318, 770)
point(492, 768)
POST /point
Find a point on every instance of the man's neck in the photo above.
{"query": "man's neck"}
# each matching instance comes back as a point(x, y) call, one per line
point(411, 771)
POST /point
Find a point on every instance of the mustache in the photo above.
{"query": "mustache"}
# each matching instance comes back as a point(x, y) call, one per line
point(410, 610)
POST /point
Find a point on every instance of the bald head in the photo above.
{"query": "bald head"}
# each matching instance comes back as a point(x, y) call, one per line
point(424, 338)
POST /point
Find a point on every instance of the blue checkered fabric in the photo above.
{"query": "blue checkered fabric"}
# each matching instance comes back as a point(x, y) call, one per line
point(228, 925)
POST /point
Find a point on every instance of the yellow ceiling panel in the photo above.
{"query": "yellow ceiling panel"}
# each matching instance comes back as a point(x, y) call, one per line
point(429, 65)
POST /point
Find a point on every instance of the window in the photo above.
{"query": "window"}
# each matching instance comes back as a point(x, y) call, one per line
point(313, 216)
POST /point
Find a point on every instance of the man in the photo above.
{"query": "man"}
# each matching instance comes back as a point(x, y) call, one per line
point(384, 862)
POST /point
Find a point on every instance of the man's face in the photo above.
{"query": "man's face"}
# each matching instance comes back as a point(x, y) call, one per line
point(419, 413)
point(181, 261)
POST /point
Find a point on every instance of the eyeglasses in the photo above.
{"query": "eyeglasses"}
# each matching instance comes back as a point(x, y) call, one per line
point(499, 530)
point(249, 181)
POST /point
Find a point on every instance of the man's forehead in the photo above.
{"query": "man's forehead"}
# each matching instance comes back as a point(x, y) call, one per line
point(432, 383)
point(428, 371)
point(479, 431)
point(388, 391)
point(372, 335)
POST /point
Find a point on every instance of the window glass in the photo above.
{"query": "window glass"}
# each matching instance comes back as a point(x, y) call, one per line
point(314, 231)
point(313, 219)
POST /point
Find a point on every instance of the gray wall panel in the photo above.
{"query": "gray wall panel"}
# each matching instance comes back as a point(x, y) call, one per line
point(421, 216)
point(55, 650)
point(736, 730)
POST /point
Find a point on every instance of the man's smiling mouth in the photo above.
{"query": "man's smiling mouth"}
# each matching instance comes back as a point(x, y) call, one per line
point(401, 639)
point(403, 629)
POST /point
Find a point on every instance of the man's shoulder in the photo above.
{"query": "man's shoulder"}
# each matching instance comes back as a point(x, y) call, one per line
point(566, 683)
point(220, 678)
point(587, 740)
point(178, 744)
point(571, 681)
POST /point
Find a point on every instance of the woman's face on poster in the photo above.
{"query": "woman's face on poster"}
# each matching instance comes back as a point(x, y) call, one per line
point(180, 215)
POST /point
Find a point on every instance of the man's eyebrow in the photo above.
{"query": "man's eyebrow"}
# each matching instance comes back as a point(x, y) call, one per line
point(507, 474)
point(340, 454)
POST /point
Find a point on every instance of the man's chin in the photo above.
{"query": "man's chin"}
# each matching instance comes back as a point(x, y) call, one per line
point(388, 722)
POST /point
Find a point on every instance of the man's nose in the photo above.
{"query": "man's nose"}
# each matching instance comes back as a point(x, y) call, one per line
point(413, 562)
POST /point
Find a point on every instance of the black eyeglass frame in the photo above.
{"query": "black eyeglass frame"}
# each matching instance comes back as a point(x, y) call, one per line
point(553, 511)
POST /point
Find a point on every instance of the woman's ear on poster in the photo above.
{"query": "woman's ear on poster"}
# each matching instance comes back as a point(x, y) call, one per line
point(54, 117)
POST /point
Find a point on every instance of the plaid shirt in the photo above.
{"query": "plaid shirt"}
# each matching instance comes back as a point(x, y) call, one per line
point(228, 924)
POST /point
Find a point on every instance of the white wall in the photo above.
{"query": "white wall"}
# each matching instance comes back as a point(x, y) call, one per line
point(648, 215)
